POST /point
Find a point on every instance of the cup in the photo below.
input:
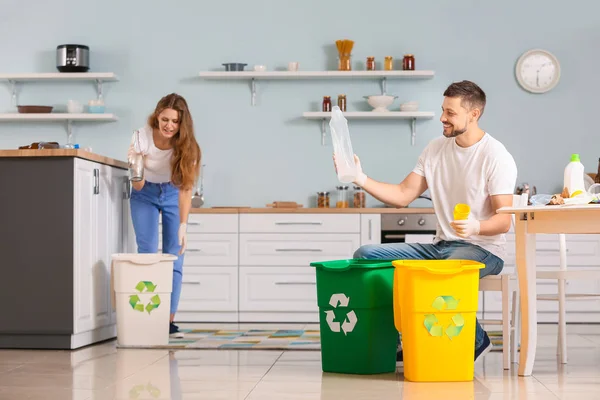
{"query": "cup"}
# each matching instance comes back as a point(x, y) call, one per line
point(293, 66)
point(74, 107)
point(461, 211)
point(260, 68)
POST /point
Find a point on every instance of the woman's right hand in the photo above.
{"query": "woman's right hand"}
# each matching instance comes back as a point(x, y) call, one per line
point(139, 185)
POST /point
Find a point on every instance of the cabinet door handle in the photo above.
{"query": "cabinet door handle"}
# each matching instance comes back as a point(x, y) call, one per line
point(298, 223)
point(96, 181)
point(191, 283)
point(127, 194)
point(370, 229)
point(300, 250)
point(295, 283)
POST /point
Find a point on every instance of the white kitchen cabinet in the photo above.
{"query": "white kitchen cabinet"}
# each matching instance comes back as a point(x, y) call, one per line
point(370, 229)
point(299, 223)
point(99, 229)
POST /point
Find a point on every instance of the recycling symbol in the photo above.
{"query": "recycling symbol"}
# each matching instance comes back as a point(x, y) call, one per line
point(137, 390)
point(432, 324)
point(135, 300)
point(349, 323)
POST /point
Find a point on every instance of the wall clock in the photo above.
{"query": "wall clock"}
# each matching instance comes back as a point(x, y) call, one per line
point(538, 71)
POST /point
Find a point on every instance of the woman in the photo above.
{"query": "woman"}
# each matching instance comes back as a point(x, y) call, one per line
point(171, 166)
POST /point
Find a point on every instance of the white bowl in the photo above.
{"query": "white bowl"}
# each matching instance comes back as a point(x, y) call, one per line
point(260, 68)
point(380, 103)
point(409, 106)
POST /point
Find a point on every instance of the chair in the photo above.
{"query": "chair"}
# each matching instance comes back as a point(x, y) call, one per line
point(506, 284)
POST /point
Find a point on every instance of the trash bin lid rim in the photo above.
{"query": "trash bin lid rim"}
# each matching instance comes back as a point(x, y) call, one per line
point(439, 266)
point(352, 263)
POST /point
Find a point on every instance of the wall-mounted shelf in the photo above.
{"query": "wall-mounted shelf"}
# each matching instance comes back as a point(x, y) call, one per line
point(99, 78)
point(59, 117)
point(370, 115)
point(254, 76)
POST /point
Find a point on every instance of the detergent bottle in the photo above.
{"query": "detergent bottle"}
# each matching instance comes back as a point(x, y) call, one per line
point(573, 179)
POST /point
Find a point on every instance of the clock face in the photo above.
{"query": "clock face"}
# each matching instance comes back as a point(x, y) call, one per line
point(538, 71)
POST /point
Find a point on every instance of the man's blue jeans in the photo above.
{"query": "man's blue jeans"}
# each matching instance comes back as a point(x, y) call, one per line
point(145, 207)
point(454, 250)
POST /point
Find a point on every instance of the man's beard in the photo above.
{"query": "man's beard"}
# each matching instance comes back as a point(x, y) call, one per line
point(456, 132)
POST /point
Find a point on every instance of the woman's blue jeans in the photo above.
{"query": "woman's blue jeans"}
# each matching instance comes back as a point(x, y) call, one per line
point(146, 204)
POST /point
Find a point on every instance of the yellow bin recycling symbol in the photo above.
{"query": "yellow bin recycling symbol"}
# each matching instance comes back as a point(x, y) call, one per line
point(431, 321)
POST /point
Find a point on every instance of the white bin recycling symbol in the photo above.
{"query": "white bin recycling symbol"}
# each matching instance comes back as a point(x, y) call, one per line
point(350, 321)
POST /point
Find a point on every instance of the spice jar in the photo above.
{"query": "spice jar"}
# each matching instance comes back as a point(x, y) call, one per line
point(323, 199)
point(408, 62)
point(359, 198)
point(342, 102)
point(342, 197)
point(370, 63)
point(326, 103)
point(388, 65)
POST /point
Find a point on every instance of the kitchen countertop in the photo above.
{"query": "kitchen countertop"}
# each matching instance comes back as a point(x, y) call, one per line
point(64, 153)
point(249, 210)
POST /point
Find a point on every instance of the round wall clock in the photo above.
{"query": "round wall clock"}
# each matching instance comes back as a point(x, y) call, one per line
point(538, 71)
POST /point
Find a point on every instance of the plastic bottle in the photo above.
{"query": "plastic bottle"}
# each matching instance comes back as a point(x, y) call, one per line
point(342, 147)
point(573, 179)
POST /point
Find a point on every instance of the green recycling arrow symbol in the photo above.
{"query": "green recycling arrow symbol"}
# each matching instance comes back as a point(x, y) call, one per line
point(137, 390)
point(135, 301)
point(458, 321)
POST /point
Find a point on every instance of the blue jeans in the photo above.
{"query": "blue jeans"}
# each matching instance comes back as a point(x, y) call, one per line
point(146, 204)
point(454, 250)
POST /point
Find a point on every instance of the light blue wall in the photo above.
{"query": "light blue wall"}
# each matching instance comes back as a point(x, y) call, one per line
point(255, 155)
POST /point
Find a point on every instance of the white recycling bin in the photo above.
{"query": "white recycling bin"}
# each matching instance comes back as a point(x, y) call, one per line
point(142, 298)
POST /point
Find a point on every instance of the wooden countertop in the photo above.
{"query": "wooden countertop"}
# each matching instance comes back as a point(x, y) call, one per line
point(65, 153)
point(249, 210)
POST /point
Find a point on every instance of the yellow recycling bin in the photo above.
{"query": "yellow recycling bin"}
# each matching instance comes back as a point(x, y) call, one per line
point(435, 306)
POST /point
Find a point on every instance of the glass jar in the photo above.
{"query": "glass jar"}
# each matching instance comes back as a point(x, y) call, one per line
point(359, 198)
point(342, 102)
point(388, 65)
point(370, 63)
point(323, 199)
point(408, 62)
point(326, 103)
point(342, 197)
point(345, 62)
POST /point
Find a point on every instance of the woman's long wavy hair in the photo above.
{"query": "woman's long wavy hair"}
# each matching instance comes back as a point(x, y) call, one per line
point(185, 165)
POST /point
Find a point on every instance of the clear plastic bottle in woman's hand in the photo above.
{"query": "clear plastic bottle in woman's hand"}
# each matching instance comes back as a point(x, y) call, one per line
point(342, 147)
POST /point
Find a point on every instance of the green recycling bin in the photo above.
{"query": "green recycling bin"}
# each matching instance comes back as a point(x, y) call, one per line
point(356, 314)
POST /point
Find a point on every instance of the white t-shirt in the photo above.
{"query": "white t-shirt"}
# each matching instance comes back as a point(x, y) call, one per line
point(157, 162)
point(467, 175)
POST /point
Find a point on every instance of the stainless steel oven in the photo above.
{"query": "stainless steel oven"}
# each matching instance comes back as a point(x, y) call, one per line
point(408, 228)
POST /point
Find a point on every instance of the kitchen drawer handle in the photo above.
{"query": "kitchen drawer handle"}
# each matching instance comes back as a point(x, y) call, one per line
point(298, 223)
point(300, 250)
point(554, 283)
point(194, 223)
point(550, 250)
point(191, 283)
point(295, 283)
point(194, 250)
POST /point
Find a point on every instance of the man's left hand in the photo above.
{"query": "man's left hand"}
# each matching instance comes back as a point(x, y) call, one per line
point(465, 228)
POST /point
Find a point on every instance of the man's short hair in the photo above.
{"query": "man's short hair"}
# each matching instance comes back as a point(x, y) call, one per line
point(470, 94)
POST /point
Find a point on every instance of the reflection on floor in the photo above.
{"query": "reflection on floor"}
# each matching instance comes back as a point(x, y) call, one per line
point(104, 372)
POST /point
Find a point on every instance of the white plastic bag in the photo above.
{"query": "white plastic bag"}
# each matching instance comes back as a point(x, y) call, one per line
point(342, 146)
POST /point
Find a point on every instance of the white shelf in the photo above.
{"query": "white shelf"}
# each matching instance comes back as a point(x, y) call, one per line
point(272, 75)
point(55, 76)
point(370, 115)
point(57, 117)
point(374, 115)
point(254, 76)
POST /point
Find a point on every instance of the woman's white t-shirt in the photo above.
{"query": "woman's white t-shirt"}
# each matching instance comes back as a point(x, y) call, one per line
point(157, 162)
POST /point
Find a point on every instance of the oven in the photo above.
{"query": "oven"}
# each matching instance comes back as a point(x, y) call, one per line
point(408, 228)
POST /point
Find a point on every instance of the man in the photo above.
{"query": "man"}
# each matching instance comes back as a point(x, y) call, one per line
point(466, 165)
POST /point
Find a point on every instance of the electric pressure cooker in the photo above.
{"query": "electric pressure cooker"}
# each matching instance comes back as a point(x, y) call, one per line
point(72, 58)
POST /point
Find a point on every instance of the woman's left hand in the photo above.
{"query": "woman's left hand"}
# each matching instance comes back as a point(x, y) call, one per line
point(182, 234)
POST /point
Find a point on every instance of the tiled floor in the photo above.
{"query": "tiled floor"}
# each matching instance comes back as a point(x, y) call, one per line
point(104, 372)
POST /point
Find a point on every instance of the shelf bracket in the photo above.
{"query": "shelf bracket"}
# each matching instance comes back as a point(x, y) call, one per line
point(253, 83)
point(384, 86)
point(323, 131)
point(99, 88)
point(13, 87)
point(413, 133)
